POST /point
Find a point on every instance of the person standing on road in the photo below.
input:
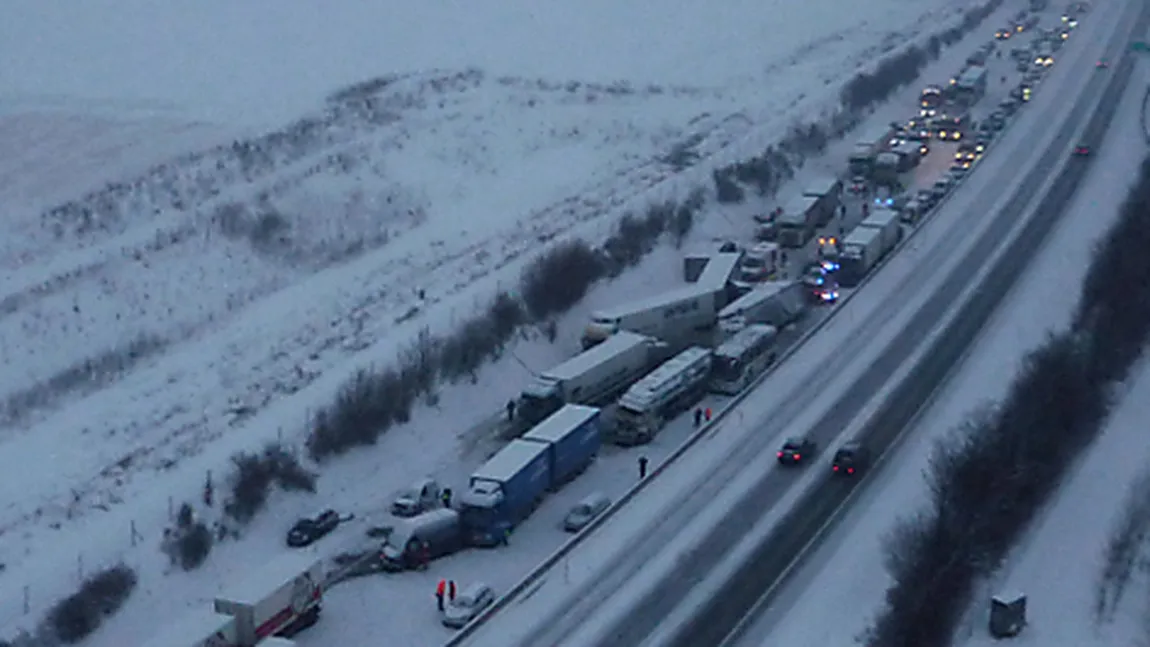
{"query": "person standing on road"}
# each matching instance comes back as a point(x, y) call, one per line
point(510, 410)
point(451, 590)
point(445, 496)
point(642, 467)
point(707, 414)
point(698, 416)
point(440, 589)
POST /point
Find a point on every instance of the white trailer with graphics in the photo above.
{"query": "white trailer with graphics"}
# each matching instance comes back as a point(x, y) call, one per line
point(778, 303)
point(278, 599)
point(666, 392)
point(668, 316)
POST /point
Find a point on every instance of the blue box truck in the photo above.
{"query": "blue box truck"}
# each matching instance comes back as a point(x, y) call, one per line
point(505, 491)
point(572, 436)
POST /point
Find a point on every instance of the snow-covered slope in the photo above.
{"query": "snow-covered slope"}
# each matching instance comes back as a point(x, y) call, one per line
point(169, 296)
point(847, 573)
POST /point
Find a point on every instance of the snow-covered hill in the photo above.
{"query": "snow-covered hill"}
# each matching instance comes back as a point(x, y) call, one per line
point(185, 276)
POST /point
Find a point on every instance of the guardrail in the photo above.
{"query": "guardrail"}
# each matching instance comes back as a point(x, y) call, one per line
point(921, 382)
point(729, 406)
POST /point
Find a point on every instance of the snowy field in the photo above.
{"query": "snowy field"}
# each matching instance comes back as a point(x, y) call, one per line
point(169, 299)
point(847, 572)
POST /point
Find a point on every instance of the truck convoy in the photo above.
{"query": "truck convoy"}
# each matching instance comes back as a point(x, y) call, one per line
point(506, 489)
point(660, 396)
point(778, 303)
point(282, 599)
point(595, 376)
point(867, 244)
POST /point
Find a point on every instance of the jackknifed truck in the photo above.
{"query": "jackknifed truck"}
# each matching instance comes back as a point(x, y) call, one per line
point(778, 303)
point(505, 490)
point(666, 316)
point(666, 392)
point(594, 377)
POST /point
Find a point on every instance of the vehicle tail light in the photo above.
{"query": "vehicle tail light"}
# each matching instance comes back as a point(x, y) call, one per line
point(780, 454)
point(798, 456)
point(835, 468)
point(850, 470)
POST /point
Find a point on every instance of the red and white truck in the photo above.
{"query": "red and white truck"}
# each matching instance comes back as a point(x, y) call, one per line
point(280, 599)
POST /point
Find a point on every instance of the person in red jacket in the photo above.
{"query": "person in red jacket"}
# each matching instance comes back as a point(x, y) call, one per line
point(440, 589)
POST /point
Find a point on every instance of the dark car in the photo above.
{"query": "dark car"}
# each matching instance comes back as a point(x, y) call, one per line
point(796, 451)
point(311, 529)
point(850, 459)
point(1082, 150)
point(1102, 64)
point(821, 286)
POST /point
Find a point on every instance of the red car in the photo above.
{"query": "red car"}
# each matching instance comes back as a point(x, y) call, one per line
point(1081, 150)
point(795, 451)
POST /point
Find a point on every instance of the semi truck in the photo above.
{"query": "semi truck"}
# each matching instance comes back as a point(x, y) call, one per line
point(279, 599)
point(504, 491)
point(572, 436)
point(660, 396)
point(970, 85)
point(828, 192)
point(665, 316)
point(798, 221)
point(595, 376)
point(862, 156)
point(760, 263)
point(778, 303)
point(200, 628)
point(719, 276)
point(868, 243)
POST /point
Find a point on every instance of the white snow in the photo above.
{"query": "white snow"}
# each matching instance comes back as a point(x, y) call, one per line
point(847, 573)
point(452, 185)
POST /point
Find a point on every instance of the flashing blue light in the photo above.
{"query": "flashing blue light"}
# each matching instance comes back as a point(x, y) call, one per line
point(829, 266)
point(820, 280)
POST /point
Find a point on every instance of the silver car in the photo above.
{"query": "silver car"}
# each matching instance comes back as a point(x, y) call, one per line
point(468, 604)
point(585, 512)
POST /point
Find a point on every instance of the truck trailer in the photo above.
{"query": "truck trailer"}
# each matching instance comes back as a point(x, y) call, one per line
point(279, 599)
point(798, 221)
point(200, 628)
point(720, 276)
point(504, 491)
point(665, 316)
point(862, 156)
point(572, 436)
point(868, 243)
point(595, 376)
point(778, 303)
point(666, 392)
point(828, 192)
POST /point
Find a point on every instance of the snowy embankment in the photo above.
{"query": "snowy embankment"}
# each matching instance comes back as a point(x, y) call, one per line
point(851, 566)
point(226, 292)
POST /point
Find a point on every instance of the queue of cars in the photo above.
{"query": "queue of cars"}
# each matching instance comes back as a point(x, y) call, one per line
point(944, 115)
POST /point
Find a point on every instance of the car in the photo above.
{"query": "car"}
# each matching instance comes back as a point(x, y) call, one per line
point(851, 459)
point(309, 530)
point(926, 198)
point(858, 185)
point(980, 144)
point(821, 287)
point(584, 512)
point(942, 187)
point(470, 602)
point(421, 496)
point(1102, 64)
point(1082, 150)
point(1003, 34)
point(796, 451)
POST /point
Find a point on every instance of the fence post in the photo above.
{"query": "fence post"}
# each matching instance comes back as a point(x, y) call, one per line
point(27, 599)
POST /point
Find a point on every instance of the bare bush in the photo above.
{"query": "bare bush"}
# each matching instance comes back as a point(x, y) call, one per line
point(559, 278)
point(100, 596)
point(254, 475)
point(1124, 549)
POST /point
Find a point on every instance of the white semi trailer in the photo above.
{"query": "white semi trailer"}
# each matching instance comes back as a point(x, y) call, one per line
point(667, 316)
point(200, 628)
point(595, 376)
point(279, 599)
point(868, 243)
point(660, 396)
point(778, 303)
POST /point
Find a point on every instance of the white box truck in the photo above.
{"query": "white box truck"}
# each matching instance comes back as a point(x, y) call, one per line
point(278, 599)
point(595, 376)
point(200, 628)
point(778, 303)
point(669, 316)
point(660, 396)
point(870, 241)
point(760, 263)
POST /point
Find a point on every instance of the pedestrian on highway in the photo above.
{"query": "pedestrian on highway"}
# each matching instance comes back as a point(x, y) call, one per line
point(707, 414)
point(446, 497)
point(642, 467)
point(451, 590)
point(866, 209)
point(510, 410)
point(440, 589)
point(698, 416)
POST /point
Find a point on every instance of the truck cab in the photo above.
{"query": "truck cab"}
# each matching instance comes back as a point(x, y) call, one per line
point(759, 264)
point(539, 399)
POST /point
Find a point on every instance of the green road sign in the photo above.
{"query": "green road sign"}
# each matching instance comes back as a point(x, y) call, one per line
point(1140, 46)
